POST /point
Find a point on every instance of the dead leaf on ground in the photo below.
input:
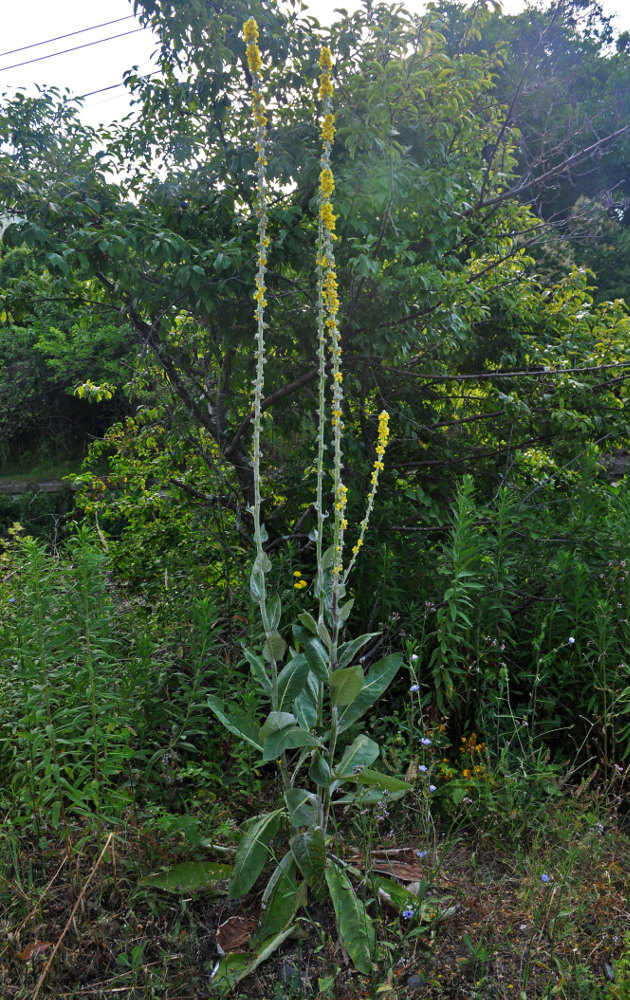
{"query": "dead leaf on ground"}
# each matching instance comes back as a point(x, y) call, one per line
point(234, 933)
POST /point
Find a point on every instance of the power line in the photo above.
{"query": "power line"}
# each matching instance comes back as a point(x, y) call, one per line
point(113, 86)
point(47, 41)
point(86, 45)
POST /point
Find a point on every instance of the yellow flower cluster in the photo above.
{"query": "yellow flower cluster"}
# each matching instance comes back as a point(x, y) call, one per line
point(250, 35)
point(328, 217)
point(342, 497)
point(326, 182)
point(328, 128)
point(331, 299)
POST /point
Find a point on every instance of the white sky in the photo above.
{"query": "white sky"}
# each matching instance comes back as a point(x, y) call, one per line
point(88, 69)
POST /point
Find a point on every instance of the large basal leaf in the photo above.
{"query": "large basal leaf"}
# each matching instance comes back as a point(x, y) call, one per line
point(190, 876)
point(236, 723)
point(379, 678)
point(309, 850)
point(282, 898)
point(303, 807)
point(231, 969)
point(253, 852)
point(346, 684)
point(291, 680)
point(355, 926)
point(387, 782)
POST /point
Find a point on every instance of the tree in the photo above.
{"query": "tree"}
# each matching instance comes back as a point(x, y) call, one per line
point(444, 321)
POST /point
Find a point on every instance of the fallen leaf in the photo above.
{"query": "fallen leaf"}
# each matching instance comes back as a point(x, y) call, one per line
point(234, 933)
point(34, 949)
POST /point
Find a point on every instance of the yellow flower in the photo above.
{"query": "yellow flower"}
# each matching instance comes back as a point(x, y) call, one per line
point(328, 217)
point(325, 57)
point(326, 182)
point(328, 128)
point(250, 31)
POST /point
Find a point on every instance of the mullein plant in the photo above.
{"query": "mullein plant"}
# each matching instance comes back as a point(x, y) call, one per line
point(315, 685)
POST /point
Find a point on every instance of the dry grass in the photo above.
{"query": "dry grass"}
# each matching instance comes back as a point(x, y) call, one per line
point(506, 932)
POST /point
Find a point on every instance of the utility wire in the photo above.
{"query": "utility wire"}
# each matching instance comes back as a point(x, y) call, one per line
point(113, 86)
point(35, 45)
point(86, 45)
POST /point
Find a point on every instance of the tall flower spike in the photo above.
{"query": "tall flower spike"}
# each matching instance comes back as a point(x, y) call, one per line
point(250, 35)
point(329, 323)
point(382, 438)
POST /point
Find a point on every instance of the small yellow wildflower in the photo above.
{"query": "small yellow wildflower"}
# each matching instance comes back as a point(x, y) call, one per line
point(328, 217)
point(328, 128)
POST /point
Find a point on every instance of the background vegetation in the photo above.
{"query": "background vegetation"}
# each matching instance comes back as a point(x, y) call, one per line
point(482, 200)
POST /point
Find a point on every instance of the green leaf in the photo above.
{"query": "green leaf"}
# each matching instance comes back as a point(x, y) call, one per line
point(346, 684)
point(305, 705)
point(379, 678)
point(303, 807)
point(257, 666)
point(317, 657)
point(309, 850)
point(361, 753)
point(345, 609)
point(387, 782)
point(348, 651)
point(400, 896)
point(355, 925)
point(319, 771)
point(189, 876)
point(253, 852)
point(238, 965)
point(274, 611)
point(236, 723)
point(328, 558)
point(274, 648)
point(280, 732)
point(281, 900)
point(308, 622)
point(291, 680)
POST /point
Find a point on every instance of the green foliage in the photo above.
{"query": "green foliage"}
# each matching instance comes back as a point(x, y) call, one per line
point(52, 340)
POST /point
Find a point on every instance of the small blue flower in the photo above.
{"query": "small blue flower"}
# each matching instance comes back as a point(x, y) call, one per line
point(545, 878)
point(12, 600)
point(432, 788)
point(407, 914)
point(420, 854)
point(425, 742)
point(414, 688)
point(571, 640)
point(422, 768)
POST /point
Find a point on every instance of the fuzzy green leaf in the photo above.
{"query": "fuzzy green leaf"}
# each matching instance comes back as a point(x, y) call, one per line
point(189, 876)
point(253, 852)
point(355, 926)
point(379, 678)
point(346, 684)
point(309, 850)
point(302, 806)
point(291, 680)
